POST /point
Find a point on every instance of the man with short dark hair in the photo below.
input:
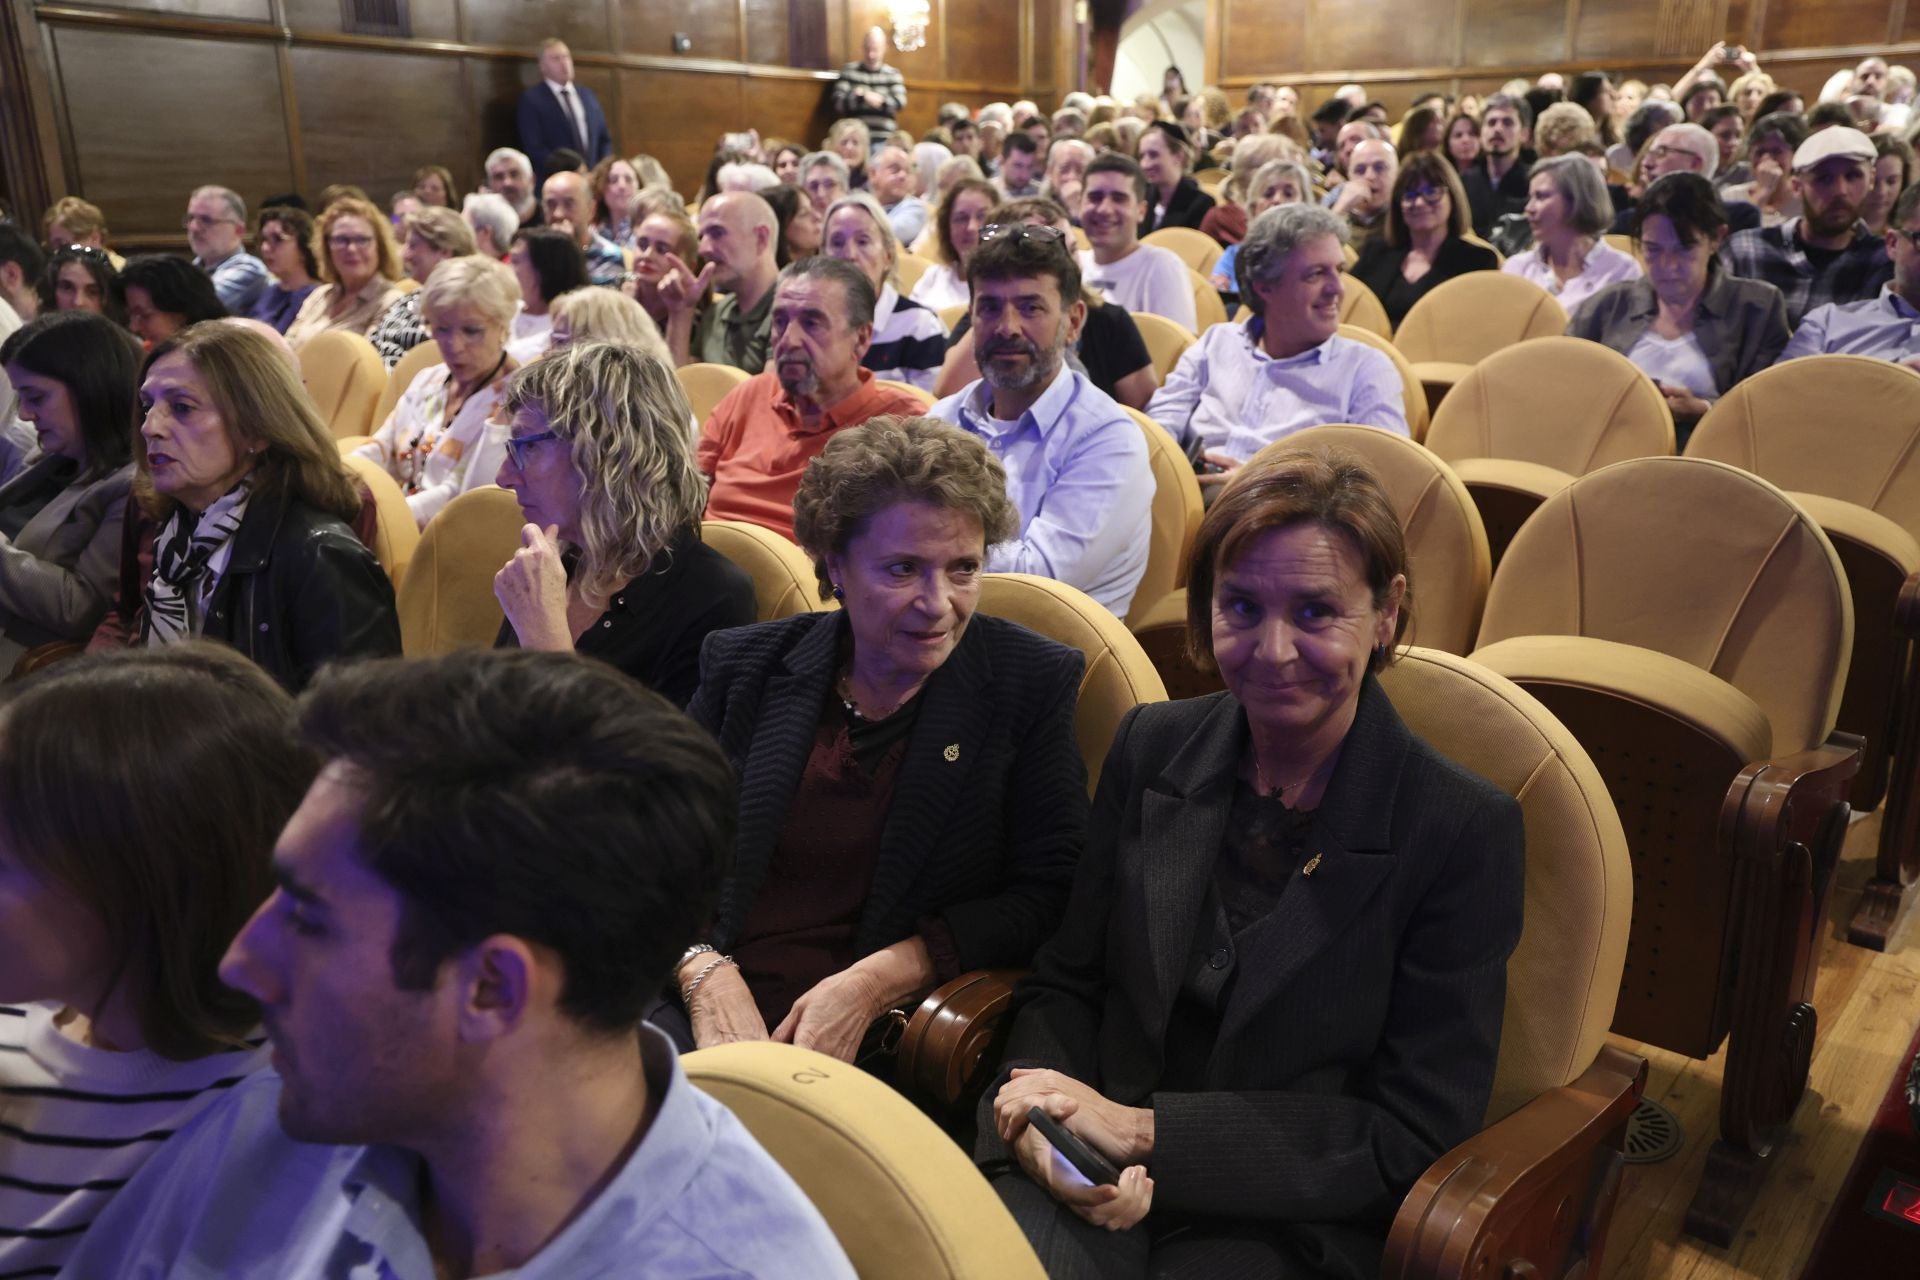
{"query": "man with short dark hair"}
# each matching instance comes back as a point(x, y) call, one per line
point(869, 90)
point(1326, 121)
point(568, 202)
point(1496, 183)
point(757, 442)
point(558, 113)
point(216, 224)
point(1019, 157)
point(482, 892)
point(1827, 254)
point(1139, 277)
point(1882, 328)
point(1077, 465)
point(21, 264)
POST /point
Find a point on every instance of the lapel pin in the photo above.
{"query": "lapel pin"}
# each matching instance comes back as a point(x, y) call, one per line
point(1312, 863)
point(952, 752)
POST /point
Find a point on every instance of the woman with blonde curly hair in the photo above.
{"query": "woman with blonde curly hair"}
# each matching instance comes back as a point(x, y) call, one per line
point(611, 563)
point(588, 315)
point(361, 266)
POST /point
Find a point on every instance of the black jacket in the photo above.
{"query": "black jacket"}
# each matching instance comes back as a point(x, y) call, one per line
point(1187, 208)
point(1358, 1042)
point(990, 803)
point(301, 591)
point(1488, 200)
point(1379, 269)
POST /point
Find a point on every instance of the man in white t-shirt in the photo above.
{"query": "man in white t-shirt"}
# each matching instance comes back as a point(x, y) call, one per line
point(1139, 277)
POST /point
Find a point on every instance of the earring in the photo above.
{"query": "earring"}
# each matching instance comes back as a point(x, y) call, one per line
point(838, 594)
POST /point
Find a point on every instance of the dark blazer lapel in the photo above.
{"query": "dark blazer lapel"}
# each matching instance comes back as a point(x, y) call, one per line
point(1352, 834)
point(782, 739)
point(955, 714)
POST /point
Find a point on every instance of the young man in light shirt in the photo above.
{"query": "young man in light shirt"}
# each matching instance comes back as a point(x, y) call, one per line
point(1139, 277)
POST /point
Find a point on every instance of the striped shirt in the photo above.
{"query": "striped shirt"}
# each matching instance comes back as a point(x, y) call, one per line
point(77, 1122)
point(909, 342)
point(883, 80)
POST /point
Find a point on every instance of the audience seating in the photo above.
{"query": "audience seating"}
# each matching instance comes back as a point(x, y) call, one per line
point(950, 316)
point(446, 601)
point(783, 579)
point(1177, 508)
point(924, 396)
point(1208, 310)
point(1360, 307)
point(396, 535)
point(1468, 318)
point(707, 385)
point(1413, 395)
point(407, 284)
point(1839, 432)
point(1195, 248)
point(1212, 173)
point(907, 270)
point(1624, 243)
point(1528, 419)
point(401, 376)
point(1167, 340)
point(900, 1196)
point(1691, 625)
point(345, 377)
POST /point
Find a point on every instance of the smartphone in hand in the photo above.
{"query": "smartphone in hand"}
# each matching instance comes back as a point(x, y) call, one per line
point(1079, 1153)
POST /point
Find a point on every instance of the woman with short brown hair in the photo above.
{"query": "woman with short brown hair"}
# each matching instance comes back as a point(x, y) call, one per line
point(1426, 241)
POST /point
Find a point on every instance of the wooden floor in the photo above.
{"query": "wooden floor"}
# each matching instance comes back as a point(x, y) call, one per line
point(1868, 1005)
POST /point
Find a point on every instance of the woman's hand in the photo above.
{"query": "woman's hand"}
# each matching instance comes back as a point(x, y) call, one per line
point(1767, 177)
point(833, 1017)
point(1683, 402)
point(723, 1010)
point(1115, 1207)
point(1123, 1135)
point(1219, 467)
point(532, 590)
point(680, 288)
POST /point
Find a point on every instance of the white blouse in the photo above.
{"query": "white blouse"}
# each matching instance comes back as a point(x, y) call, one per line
point(434, 460)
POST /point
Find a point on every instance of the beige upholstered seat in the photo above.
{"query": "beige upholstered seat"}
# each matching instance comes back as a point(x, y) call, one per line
point(1118, 675)
point(783, 579)
point(1413, 395)
point(1528, 419)
point(1468, 318)
point(902, 1199)
point(907, 270)
point(921, 394)
point(1208, 310)
point(1177, 508)
point(1195, 248)
point(707, 385)
point(401, 376)
point(344, 376)
point(396, 536)
point(447, 600)
point(950, 316)
point(1360, 307)
point(1167, 340)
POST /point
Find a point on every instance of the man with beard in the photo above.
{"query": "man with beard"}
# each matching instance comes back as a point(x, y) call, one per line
point(1827, 254)
point(739, 235)
point(1496, 183)
point(1883, 328)
point(1077, 465)
point(510, 176)
point(758, 441)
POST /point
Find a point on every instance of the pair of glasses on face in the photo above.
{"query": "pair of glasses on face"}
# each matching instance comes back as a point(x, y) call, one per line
point(349, 242)
point(193, 220)
point(1422, 195)
point(1022, 231)
point(520, 448)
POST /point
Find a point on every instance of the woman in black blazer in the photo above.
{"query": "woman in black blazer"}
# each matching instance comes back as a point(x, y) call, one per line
point(1424, 244)
point(912, 798)
point(1276, 997)
point(1174, 198)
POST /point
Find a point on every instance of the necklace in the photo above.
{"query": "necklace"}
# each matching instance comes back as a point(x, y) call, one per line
point(843, 687)
point(1278, 791)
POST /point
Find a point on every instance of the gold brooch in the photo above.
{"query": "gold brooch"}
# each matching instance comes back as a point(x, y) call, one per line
point(1312, 862)
point(952, 752)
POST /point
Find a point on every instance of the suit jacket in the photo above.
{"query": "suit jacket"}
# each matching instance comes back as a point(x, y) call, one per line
point(1379, 269)
point(1358, 1042)
point(983, 838)
point(545, 128)
point(57, 574)
point(1187, 207)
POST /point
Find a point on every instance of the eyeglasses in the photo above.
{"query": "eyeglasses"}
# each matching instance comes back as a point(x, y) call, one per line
point(1423, 195)
point(518, 446)
point(349, 242)
point(1911, 237)
point(193, 220)
point(1022, 231)
point(1663, 151)
point(273, 240)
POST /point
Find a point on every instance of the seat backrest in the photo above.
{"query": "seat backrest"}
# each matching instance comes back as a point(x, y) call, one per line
point(1843, 427)
point(1413, 395)
point(1360, 307)
point(396, 536)
point(783, 579)
point(924, 396)
point(345, 377)
point(950, 316)
point(1564, 978)
point(1468, 318)
point(1447, 556)
point(1564, 403)
point(1697, 560)
point(401, 376)
point(1119, 674)
point(1167, 340)
point(900, 1196)
point(1195, 248)
point(907, 270)
point(447, 600)
point(1208, 310)
point(1177, 508)
point(707, 385)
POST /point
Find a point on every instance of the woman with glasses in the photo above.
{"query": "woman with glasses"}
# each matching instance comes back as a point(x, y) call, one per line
point(80, 277)
point(437, 442)
point(165, 295)
point(909, 342)
point(360, 265)
point(1425, 242)
point(611, 563)
point(286, 246)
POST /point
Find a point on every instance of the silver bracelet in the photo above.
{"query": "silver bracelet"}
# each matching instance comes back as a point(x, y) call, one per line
point(698, 948)
point(686, 997)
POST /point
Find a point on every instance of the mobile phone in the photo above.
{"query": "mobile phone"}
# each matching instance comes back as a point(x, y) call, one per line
point(1092, 1166)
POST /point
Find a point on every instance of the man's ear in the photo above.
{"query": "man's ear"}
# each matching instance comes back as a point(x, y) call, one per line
point(502, 980)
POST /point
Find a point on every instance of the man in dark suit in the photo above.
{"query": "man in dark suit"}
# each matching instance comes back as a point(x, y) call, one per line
point(559, 113)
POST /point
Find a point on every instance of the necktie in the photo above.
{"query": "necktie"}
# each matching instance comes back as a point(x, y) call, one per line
point(573, 117)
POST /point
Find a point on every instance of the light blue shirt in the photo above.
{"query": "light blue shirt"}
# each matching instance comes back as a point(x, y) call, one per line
point(1077, 469)
point(239, 280)
point(232, 1196)
point(908, 218)
point(1236, 399)
point(1882, 328)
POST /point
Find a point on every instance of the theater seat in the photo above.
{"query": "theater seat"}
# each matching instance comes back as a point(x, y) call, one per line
point(1197, 249)
point(396, 534)
point(707, 385)
point(1413, 397)
point(1360, 307)
point(401, 376)
point(447, 600)
point(1468, 318)
point(907, 270)
point(1208, 310)
point(783, 579)
point(1177, 508)
point(344, 376)
point(951, 316)
point(1167, 340)
point(900, 1196)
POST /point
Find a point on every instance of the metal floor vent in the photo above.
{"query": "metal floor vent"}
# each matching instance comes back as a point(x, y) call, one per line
point(1653, 1133)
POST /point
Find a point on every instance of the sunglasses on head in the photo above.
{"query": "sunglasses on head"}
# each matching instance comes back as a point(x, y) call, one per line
point(1022, 231)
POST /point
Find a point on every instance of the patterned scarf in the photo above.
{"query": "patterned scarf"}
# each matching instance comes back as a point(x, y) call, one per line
point(188, 561)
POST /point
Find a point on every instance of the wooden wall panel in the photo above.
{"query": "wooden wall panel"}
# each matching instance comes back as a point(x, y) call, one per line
point(1262, 37)
point(929, 63)
point(766, 32)
point(1517, 31)
point(1041, 41)
point(1346, 36)
point(1831, 22)
point(236, 138)
point(373, 118)
point(1618, 28)
point(431, 19)
point(985, 52)
point(792, 109)
point(654, 119)
point(648, 27)
point(247, 10)
point(583, 24)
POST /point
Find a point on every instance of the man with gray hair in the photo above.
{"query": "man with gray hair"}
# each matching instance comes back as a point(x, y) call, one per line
point(493, 221)
point(824, 177)
point(216, 224)
point(510, 176)
point(1066, 182)
point(1241, 387)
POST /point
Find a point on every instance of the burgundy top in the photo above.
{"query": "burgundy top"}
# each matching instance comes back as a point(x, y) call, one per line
point(1225, 222)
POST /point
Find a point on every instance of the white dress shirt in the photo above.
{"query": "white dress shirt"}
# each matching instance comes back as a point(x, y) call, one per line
point(570, 104)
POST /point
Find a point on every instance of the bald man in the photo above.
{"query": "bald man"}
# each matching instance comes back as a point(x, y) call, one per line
point(890, 178)
point(1362, 198)
point(567, 201)
point(738, 236)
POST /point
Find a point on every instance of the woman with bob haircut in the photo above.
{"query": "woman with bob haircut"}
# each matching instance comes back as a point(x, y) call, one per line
point(1568, 209)
point(1428, 222)
point(253, 506)
point(60, 518)
point(164, 295)
point(360, 265)
point(599, 456)
point(957, 221)
point(433, 186)
point(429, 237)
point(285, 240)
point(436, 443)
point(546, 264)
point(1280, 982)
point(140, 797)
point(912, 798)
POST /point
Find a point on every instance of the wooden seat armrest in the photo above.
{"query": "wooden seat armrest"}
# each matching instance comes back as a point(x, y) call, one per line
point(1531, 1194)
point(45, 655)
point(951, 1042)
point(1906, 611)
point(1758, 817)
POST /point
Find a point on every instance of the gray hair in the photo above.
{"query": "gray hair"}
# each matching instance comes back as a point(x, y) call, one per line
point(864, 201)
point(493, 212)
point(1691, 137)
point(825, 159)
point(477, 282)
point(1255, 150)
point(956, 169)
point(1273, 171)
point(236, 207)
point(1589, 207)
point(519, 159)
point(737, 175)
point(861, 299)
point(1277, 233)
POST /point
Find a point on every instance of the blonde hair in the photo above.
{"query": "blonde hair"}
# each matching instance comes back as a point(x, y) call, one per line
point(1563, 127)
point(865, 202)
point(846, 128)
point(650, 171)
point(476, 282)
point(607, 315)
point(79, 217)
point(388, 261)
point(443, 228)
point(625, 416)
